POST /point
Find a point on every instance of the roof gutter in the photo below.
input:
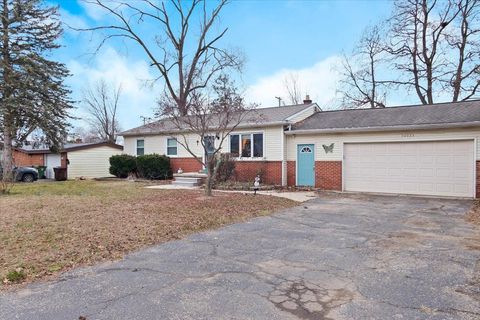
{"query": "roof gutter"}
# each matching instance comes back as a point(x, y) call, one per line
point(176, 131)
point(388, 128)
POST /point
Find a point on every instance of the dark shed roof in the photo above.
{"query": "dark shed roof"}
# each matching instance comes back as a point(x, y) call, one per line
point(466, 113)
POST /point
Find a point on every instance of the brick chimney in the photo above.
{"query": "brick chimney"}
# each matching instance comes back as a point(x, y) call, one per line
point(307, 100)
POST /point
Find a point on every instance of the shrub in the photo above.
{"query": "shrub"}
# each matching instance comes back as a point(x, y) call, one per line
point(226, 167)
point(154, 166)
point(122, 165)
point(261, 173)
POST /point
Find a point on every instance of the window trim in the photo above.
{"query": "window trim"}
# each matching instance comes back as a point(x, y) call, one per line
point(136, 146)
point(166, 147)
point(251, 133)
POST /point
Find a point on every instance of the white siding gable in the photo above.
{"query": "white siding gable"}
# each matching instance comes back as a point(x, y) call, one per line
point(91, 162)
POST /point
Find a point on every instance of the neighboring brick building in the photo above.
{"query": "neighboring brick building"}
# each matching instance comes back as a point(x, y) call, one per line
point(22, 158)
point(81, 159)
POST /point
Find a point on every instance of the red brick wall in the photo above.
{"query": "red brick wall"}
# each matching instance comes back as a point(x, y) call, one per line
point(477, 191)
point(22, 159)
point(187, 164)
point(328, 175)
point(291, 173)
point(270, 171)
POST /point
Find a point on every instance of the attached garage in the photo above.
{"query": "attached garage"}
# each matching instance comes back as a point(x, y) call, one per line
point(439, 168)
point(430, 150)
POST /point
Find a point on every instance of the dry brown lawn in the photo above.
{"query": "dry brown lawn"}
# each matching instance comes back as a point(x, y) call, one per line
point(46, 228)
point(473, 215)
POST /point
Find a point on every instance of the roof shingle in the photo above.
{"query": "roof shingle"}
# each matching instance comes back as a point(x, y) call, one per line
point(259, 117)
point(441, 114)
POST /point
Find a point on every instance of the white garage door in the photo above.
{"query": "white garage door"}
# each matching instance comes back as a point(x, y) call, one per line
point(443, 168)
point(52, 160)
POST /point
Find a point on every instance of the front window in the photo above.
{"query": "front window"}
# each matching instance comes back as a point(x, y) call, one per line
point(246, 145)
point(140, 147)
point(234, 145)
point(258, 145)
point(171, 147)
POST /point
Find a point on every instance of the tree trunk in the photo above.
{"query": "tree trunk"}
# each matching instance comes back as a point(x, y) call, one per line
point(208, 185)
point(7, 158)
point(213, 166)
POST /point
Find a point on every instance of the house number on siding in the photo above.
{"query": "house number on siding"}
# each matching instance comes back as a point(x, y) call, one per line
point(408, 135)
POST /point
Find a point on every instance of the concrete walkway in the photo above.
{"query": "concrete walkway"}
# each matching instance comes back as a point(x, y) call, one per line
point(299, 196)
point(171, 187)
point(334, 257)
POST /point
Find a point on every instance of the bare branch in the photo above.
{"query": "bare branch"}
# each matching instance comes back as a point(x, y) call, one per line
point(360, 84)
point(184, 70)
point(208, 120)
point(102, 105)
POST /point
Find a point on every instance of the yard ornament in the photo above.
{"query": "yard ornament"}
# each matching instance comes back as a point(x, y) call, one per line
point(256, 185)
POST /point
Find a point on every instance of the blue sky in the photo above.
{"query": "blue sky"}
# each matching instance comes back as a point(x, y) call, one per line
point(277, 37)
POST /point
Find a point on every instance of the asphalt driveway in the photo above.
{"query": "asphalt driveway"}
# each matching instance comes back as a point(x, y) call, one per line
point(335, 257)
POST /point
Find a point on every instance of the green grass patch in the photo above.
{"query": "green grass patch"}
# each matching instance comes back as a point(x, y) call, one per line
point(16, 276)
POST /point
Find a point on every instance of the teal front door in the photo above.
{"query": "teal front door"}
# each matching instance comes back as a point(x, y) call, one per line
point(305, 165)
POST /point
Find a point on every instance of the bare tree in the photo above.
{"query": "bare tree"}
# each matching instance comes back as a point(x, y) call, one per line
point(81, 134)
point(360, 84)
point(465, 42)
point(292, 88)
point(417, 46)
point(210, 121)
point(433, 49)
point(101, 103)
point(186, 58)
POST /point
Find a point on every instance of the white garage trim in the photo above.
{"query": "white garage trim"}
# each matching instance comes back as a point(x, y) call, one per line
point(474, 155)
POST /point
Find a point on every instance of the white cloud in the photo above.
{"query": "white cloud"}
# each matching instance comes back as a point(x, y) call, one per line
point(72, 21)
point(319, 81)
point(137, 98)
point(93, 10)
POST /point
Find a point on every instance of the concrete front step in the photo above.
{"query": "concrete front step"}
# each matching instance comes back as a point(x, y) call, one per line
point(187, 181)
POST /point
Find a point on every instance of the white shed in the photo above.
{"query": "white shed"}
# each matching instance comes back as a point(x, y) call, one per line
point(91, 160)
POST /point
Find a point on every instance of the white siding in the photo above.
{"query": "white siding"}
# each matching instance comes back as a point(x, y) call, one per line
point(157, 143)
point(90, 163)
point(303, 114)
point(398, 136)
point(273, 143)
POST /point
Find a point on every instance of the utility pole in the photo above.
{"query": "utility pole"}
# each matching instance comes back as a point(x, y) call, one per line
point(279, 100)
point(145, 119)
